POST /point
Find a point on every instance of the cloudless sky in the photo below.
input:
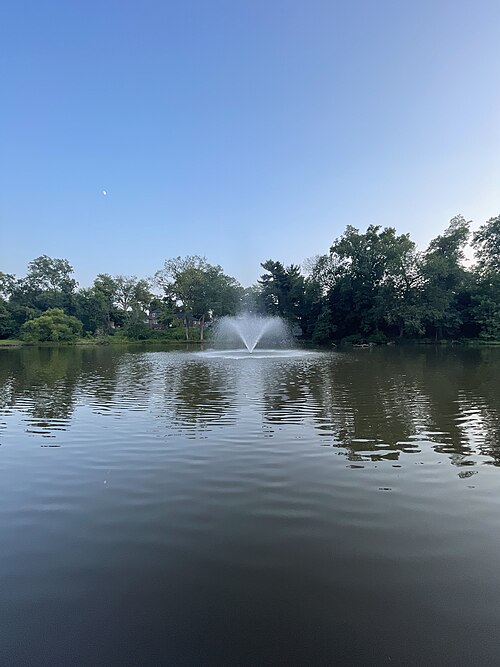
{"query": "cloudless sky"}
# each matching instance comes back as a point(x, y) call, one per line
point(242, 130)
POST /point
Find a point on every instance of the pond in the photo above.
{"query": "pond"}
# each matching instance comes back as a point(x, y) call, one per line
point(196, 508)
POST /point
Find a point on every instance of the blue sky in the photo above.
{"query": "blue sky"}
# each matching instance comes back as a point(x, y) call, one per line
point(242, 130)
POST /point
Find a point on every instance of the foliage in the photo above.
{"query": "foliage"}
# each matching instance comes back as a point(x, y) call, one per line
point(285, 292)
point(444, 277)
point(486, 242)
point(371, 286)
point(7, 325)
point(54, 326)
point(201, 290)
point(135, 328)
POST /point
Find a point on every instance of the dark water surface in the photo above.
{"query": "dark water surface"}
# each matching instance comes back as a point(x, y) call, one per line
point(188, 509)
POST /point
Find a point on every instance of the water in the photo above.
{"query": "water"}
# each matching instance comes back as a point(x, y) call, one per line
point(247, 331)
point(226, 509)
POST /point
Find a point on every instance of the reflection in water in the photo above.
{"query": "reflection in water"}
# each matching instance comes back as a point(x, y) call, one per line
point(45, 384)
point(186, 508)
point(374, 404)
point(379, 403)
point(198, 396)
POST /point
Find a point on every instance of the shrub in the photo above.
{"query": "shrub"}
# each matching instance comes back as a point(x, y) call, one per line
point(378, 338)
point(53, 326)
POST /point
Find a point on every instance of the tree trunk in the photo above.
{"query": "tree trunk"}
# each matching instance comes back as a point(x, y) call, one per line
point(186, 324)
point(202, 326)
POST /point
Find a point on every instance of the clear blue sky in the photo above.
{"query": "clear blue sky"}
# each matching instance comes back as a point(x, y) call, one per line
point(240, 129)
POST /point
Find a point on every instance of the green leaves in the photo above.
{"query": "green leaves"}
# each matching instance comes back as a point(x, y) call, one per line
point(486, 242)
point(53, 326)
point(371, 285)
point(201, 290)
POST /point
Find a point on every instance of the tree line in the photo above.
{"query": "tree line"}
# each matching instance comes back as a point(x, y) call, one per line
point(371, 286)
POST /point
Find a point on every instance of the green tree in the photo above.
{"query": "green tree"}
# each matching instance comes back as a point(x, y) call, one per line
point(251, 301)
point(104, 290)
point(54, 325)
point(7, 324)
point(282, 291)
point(486, 298)
point(201, 289)
point(95, 306)
point(7, 283)
point(486, 242)
point(131, 293)
point(48, 284)
point(135, 327)
point(47, 274)
point(370, 282)
point(445, 278)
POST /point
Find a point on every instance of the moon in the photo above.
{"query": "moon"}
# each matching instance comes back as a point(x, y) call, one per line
point(104, 192)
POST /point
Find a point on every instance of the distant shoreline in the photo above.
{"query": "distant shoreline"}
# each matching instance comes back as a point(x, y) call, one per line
point(10, 343)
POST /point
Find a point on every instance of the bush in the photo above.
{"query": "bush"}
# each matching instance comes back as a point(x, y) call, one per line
point(136, 329)
point(53, 326)
point(378, 338)
point(353, 339)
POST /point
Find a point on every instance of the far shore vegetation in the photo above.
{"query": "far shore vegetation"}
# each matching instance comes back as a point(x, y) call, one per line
point(371, 287)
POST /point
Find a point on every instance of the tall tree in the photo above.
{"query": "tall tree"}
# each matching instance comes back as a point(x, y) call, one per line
point(201, 289)
point(486, 242)
point(445, 277)
point(48, 284)
point(370, 280)
point(131, 293)
point(7, 284)
point(282, 291)
point(486, 297)
point(47, 274)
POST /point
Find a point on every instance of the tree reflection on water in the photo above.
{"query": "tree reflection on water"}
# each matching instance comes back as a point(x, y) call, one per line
point(374, 404)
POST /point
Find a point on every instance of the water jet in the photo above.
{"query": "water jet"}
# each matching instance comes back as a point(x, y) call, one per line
point(247, 331)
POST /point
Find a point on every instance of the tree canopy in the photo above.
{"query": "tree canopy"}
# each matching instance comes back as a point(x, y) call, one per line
point(201, 290)
point(372, 285)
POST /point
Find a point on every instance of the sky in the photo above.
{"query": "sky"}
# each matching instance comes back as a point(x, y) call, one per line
point(241, 130)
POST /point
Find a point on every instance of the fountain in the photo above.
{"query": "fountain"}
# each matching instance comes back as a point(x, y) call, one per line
point(250, 330)
point(249, 336)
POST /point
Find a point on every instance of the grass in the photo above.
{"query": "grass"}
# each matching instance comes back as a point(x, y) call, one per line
point(11, 342)
point(123, 340)
point(90, 342)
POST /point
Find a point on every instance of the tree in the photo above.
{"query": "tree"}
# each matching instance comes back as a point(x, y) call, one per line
point(201, 289)
point(95, 305)
point(486, 242)
point(131, 294)
point(48, 284)
point(400, 294)
point(54, 325)
point(444, 278)
point(47, 274)
point(486, 297)
point(282, 290)
point(251, 301)
point(7, 283)
point(135, 327)
point(7, 324)
point(104, 294)
point(370, 282)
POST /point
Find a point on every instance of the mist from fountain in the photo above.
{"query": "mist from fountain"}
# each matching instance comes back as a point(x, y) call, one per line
point(250, 330)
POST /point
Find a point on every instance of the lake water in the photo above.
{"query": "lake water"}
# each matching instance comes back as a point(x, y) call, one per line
point(192, 508)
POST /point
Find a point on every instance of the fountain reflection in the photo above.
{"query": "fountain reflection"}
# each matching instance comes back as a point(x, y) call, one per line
point(371, 407)
point(198, 396)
